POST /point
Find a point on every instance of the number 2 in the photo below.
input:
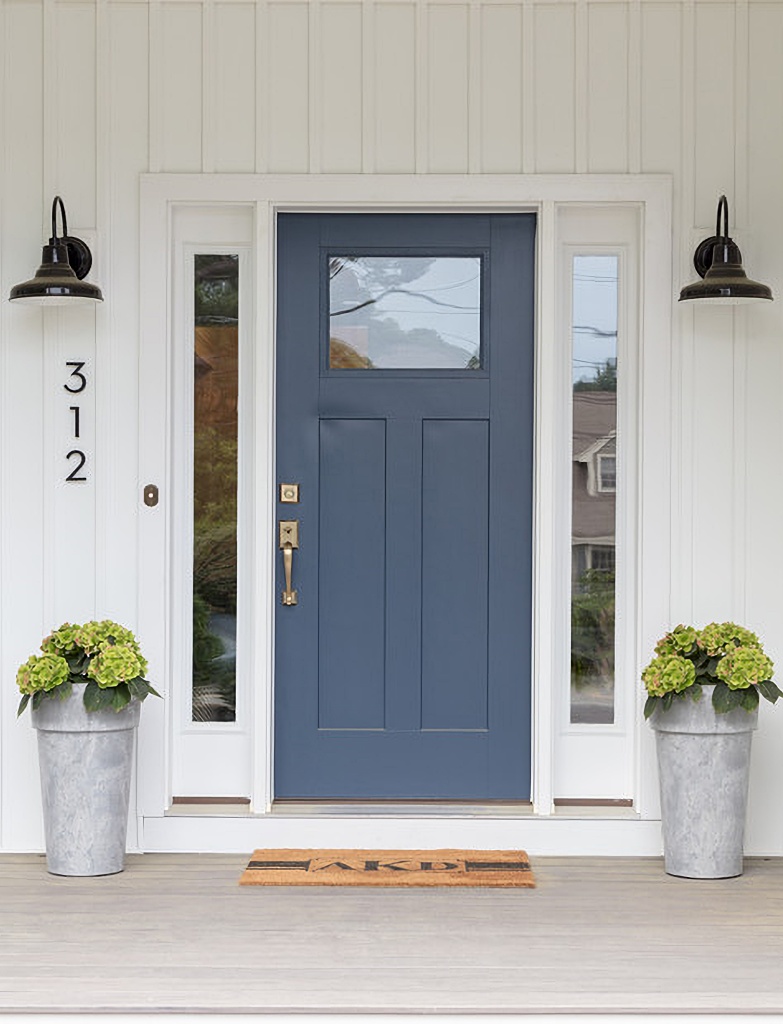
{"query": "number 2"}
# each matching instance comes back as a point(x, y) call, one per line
point(82, 459)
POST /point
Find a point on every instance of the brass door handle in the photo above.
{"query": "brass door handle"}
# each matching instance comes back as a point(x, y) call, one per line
point(289, 540)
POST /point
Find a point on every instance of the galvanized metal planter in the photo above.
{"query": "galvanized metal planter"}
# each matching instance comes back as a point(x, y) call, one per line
point(85, 760)
point(703, 767)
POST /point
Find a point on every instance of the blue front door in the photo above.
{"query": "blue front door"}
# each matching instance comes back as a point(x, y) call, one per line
point(405, 415)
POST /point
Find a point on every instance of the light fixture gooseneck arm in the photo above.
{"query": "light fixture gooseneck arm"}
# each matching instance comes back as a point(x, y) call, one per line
point(723, 208)
point(55, 237)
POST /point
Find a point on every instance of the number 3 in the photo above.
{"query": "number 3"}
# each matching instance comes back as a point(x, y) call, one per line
point(79, 376)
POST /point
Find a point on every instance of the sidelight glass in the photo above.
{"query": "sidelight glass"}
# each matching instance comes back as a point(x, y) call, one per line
point(404, 312)
point(215, 399)
point(593, 489)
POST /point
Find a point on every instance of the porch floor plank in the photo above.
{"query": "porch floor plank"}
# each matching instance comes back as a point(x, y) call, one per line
point(176, 932)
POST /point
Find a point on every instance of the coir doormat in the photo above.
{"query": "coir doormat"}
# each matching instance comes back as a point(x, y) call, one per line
point(494, 868)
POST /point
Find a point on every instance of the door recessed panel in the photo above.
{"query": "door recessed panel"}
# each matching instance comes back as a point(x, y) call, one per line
point(455, 573)
point(351, 576)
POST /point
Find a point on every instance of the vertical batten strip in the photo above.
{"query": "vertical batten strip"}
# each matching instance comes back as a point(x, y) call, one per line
point(262, 87)
point(105, 440)
point(422, 87)
point(315, 85)
point(6, 769)
point(209, 113)
point(681, 570)
point(528, 50)
point(155, 91)
point(368, 86)
point(475, 127)
point(51, 319)
point(581, 86)
point(635, 111)
point(740, 323)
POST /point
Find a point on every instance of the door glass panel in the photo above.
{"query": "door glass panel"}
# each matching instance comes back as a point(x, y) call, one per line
point(216, 380)
point(594, 477)
point(404, 312)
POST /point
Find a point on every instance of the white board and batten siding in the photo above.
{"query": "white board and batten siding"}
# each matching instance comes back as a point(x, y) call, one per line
point(97, 92)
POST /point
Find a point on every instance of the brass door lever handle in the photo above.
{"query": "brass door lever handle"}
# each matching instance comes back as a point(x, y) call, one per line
point(289, 540)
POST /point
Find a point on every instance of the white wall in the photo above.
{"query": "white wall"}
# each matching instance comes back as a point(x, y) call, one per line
point(95, 92)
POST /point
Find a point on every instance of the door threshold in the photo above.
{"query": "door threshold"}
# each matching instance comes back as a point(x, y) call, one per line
point(402, 808)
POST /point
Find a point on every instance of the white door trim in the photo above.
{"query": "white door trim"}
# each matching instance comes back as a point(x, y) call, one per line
point(543, 194)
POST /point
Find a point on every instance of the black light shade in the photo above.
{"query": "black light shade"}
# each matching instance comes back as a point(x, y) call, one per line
point(718, 262)
point(64, 262)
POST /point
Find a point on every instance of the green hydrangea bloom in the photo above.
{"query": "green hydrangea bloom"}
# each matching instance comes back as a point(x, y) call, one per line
point(61, 640)
point(721, 637)
point(668, 673)
point(42, 672)
point(679, 641)
point(744, 667)
point(92, 636)
point(114, 664)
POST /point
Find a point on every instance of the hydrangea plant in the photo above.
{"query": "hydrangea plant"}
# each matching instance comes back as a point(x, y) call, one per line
point(722, 654)
point(104, 655)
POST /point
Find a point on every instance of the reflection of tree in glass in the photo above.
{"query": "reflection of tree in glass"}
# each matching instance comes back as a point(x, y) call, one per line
point(592, 628)
point(216, 289)
point(216, 309)
point(358, 284)
point(605, 378)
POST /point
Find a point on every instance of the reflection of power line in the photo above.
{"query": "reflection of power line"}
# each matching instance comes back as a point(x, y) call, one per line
point(457, 284)
point(403, 291)
point(595, 331)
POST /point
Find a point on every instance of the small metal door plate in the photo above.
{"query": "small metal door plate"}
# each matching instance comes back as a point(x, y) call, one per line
point(289, 494)
point(289, 533)
point(151, 495)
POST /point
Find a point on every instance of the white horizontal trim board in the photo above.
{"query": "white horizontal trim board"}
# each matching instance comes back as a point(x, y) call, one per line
point(265, 195)
point(543, 837)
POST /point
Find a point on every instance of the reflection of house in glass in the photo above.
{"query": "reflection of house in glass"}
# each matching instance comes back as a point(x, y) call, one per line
point(593, 481)
point(594, 478)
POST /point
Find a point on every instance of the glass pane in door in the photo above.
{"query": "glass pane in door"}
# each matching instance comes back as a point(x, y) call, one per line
point(404, 312)
point(215, 394)
point(593, 491)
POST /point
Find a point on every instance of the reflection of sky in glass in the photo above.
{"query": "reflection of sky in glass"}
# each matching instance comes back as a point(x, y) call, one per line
point(594, 308)
point(415, 312)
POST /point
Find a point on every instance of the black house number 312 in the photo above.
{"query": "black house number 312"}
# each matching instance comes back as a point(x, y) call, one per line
point(75, 385)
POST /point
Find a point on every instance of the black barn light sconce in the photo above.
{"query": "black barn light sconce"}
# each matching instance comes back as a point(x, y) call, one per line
point(718, 262)
point(65, 262)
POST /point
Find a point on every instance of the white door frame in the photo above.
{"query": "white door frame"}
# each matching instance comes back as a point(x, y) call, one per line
point(268, 194)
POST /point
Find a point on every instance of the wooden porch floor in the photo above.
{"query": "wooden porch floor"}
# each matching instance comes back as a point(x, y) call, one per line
point(176, 933)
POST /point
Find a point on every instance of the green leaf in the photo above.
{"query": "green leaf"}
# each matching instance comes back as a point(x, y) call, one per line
point(750, 698)
point(725, 699)
point(121, 696)
point(141, 688)
point(95, 699)
point(37, 698)
point(770, 691)
point(695, 693)
point(77, 662)
point(650, 705)
point(667, 700)
point(23, 704)
point(64, 690)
